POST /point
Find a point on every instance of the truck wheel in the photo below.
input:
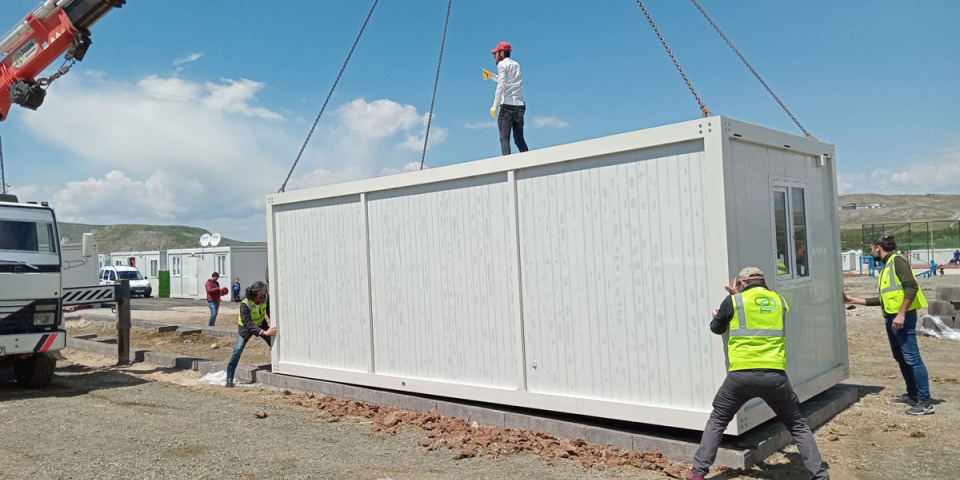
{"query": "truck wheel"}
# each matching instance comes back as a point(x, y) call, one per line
point(35, 372)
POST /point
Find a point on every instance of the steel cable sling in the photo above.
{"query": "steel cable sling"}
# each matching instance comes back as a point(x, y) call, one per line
point(755, 74)
point(325, 102)
point(703, 108)
point(436, 81)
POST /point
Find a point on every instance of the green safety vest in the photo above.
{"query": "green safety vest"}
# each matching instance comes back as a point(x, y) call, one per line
point(756, 331)
point(257, 312)
point(891, 292)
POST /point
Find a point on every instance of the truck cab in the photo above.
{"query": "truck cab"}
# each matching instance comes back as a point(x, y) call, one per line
point(31, 322)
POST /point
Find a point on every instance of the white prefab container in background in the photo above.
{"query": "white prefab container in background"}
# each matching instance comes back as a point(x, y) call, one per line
point(578, 278)
point(190, 268)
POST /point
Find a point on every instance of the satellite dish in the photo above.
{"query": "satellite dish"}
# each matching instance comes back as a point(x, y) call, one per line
point(214, 239)
point(205, 240)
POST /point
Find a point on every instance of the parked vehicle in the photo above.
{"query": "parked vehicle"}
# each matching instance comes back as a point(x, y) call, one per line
point(139, 285)
point(31, 322)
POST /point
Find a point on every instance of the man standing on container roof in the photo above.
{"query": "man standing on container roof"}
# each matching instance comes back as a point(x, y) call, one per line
point(509, 96)
point(757, 353)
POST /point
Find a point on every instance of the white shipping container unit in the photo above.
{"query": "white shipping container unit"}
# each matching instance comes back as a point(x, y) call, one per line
point(190, 268)
point(578, 278)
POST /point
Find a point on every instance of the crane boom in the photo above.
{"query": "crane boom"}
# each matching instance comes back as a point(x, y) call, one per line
point(53, 28)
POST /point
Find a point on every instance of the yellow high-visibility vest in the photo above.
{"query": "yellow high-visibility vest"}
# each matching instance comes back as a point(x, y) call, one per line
point(891, 291)
point(756, 332)
point(257, 312)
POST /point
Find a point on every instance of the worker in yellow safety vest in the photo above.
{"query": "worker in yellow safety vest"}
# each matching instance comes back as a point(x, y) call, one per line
point(755, 317)
point(252, 321)
point(900, 297)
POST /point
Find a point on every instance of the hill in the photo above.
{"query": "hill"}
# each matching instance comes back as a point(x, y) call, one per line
point(132, 238)
point(898, 209)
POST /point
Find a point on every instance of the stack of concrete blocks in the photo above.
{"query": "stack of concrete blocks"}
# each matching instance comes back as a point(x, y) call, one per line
point(946, 306)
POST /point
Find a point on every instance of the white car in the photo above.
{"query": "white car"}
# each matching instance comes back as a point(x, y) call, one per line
point(139, 285)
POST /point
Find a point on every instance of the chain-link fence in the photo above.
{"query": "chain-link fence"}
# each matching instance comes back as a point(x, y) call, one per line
point(922, 239)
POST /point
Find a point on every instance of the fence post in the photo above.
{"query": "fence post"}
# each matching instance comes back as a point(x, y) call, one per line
point(123, 322)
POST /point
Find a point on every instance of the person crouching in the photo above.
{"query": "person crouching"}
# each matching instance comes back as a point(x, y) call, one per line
point(252, 321)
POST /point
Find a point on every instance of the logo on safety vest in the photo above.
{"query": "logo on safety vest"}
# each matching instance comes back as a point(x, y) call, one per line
point(766, 305)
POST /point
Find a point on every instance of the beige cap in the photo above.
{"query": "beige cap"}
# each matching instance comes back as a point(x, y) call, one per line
point(750, 272)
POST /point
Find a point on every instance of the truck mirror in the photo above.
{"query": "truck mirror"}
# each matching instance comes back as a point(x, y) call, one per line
point(89, 245)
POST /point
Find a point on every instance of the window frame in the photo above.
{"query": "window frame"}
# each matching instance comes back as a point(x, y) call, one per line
point(175, 267)
point(154, 268)
point(787, 186)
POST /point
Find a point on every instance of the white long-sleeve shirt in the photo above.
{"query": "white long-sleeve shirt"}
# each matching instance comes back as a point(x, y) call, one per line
point(509, 84)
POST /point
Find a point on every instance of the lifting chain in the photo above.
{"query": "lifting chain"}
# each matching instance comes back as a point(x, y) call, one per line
point(436, 81)
point(755, 74)
point(46, 81)
point(325, 102)
point(703, 108)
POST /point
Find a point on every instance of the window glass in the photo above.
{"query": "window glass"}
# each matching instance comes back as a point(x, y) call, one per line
point(797, 206)
point(780, 225)
point(111, 275)
point(27, 236)
point(153, 268)
point(130, 275)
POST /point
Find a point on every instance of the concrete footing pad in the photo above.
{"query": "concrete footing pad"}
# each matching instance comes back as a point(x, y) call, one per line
point(680, 445)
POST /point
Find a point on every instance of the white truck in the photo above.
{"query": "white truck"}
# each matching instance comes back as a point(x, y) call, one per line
point(31, 322)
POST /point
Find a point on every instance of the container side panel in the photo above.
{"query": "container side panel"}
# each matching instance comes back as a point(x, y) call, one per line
point(322, 284)
point(614, 286)
point(816, 315)
point(442, 283)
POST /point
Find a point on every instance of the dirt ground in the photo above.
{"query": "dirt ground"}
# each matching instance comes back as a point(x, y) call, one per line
point(197, 345)
point(187, 426)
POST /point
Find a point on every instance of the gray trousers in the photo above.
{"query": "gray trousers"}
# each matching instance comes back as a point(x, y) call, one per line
point(773, 387)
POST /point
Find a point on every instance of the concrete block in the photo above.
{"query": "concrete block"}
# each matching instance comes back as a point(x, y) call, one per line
point(219, 332)
point(187, 331)
point(948, 294)
point(481, 415)
point(110, 340)
point(608, 436)
point(521, 421)
point(164, 328)
point(941, 308)
point(86, 336)
point(92, 346)
point(170, 360)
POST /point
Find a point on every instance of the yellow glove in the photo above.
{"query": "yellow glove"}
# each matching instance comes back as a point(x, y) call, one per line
point(487, 75)
point(493, 112)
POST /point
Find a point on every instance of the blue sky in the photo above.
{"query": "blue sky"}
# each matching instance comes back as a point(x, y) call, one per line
point(187, 112)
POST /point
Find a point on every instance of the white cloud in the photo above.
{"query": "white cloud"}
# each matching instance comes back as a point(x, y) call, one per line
point(551, 122)
point(188, 59)
point(379, 118)
point(170, 151)
point(936, 175)
point(415, 143)
point(476, 125)
point(410, 167)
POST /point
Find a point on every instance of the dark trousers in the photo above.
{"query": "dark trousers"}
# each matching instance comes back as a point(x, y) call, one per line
point(511, 117)
point(773, 387)
point(238, 350)
point(903, 344)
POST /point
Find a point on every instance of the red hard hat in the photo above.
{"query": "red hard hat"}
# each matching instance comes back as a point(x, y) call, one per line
point(502, 46)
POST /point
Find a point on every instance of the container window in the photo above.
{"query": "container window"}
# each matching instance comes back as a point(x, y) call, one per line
point(799, 231)
point(790, 231)
point(174, 266)
point(780, 232)
point(153, 268)
point(222, 264)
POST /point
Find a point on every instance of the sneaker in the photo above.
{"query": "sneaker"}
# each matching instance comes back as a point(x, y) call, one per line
point(229, 383)
point(904, 399)
point(921, 408)
point(693, 476)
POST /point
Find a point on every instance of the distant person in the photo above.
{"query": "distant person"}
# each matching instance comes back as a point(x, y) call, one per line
point(900, 298)
point(956, 257)
point(509, 96)
point(236, 289)
point(933, 268)
point(755, 316)
point(213, 296)
point(252, 321)
point(941, 269)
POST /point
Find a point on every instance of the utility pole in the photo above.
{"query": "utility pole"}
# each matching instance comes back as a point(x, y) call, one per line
point(3, 178)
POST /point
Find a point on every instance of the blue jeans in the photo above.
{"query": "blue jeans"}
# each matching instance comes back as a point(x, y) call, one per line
point(238, 350)
point(213, 313)
point(903, 343)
